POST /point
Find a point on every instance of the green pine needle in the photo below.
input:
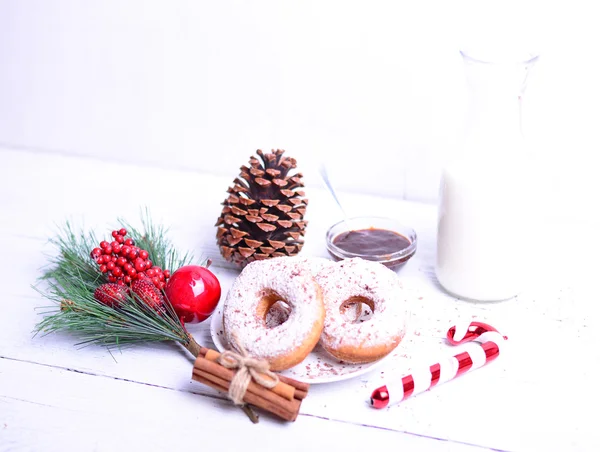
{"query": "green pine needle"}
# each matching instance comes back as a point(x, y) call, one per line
point(72, 276)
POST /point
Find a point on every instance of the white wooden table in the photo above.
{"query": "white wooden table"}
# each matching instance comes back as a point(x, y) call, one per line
point(540, 395)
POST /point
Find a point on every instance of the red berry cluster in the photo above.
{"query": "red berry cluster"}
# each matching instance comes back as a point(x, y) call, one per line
point(124, 262)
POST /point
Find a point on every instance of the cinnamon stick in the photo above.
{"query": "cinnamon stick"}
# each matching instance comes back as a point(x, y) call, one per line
point(287, 387)
point(283, 389)
point(290, 406)
point(208, 367)
point(253, 399)
point(301, 388)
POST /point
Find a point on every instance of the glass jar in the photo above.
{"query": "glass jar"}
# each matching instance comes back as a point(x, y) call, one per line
point(393, 258)
point(484, 233)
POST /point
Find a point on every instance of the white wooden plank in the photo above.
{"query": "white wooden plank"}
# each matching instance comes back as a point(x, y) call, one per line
point(347, 401)
point(552, 321)
point(127, 416)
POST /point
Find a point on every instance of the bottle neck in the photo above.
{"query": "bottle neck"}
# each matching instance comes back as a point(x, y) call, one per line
point(493, 117)
point(493, 135)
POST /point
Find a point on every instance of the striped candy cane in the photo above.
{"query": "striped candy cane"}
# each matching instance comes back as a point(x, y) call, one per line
point(421, 380)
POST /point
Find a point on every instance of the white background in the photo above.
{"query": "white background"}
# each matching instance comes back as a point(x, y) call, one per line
point(103, 103)
point(374, 89)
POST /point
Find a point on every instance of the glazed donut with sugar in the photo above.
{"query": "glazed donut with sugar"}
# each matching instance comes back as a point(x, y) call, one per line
point(319, 267)
point(279, 312)
point(356, 281)
point(256, 289)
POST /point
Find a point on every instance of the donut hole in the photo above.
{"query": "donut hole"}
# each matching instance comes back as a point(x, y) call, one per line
point(357, 309)
point(277, 314)
point(273, 309)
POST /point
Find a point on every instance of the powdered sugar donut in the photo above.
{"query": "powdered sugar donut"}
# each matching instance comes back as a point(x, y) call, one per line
point(256, 289)
point(319, 268)
point(316, 265)
point(357, 280)
point(279, 312)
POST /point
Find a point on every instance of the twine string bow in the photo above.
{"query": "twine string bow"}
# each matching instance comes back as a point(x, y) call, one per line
point(248, 369)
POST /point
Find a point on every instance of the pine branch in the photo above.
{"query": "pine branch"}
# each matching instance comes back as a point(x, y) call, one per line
point(72, 277)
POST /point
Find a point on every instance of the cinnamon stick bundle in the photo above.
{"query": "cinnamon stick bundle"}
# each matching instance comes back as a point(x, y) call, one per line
point(283, 400)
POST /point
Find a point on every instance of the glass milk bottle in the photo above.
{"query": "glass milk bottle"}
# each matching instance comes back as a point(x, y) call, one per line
point(484, 233)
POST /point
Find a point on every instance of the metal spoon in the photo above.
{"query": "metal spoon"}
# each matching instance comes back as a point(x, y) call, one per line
point(325, 177)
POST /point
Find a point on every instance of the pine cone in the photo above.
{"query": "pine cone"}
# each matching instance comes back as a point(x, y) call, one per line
point(263, 215)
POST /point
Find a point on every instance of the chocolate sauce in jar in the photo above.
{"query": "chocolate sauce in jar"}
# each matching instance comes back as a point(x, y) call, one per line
point(374, 242)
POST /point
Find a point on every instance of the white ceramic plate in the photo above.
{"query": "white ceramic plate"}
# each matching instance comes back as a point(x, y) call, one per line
point(318, 367)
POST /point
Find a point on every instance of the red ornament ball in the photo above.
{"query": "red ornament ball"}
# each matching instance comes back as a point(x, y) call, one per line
point(194, 292)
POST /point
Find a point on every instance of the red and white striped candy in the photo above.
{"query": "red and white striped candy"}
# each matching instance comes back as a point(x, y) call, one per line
point(486, 350)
